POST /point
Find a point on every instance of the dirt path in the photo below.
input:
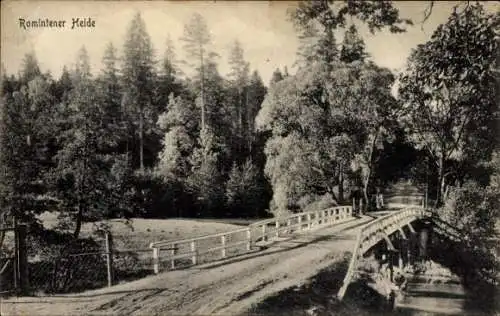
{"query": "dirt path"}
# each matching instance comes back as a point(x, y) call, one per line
point(231, 287)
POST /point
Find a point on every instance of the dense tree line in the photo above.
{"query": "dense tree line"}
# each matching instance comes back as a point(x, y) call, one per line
point(140, 138)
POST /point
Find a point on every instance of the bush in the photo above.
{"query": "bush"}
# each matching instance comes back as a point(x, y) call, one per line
point(319, 203)
point(244, 193)
point(472, 209)
point(62, 264)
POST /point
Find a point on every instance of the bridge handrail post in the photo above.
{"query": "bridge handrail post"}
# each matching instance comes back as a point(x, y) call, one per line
point(249, 239)
point(194, 257)
point(223, 245)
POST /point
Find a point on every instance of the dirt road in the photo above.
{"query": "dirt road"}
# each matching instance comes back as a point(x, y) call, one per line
point(229, 287)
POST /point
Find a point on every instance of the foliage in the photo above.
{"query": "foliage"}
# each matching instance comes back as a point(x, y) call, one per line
point(238, 100)
point(82, 173)
point(57, 270)
point(316, 21)
point(317, 203)
point(473, 209)
point(321, 122)
point(277, 76)
point(181, 125)
point(205, 179)
point(448, 91)
point(197, 41)
point(353, 46)
point(244, 193)
point(24, 136)
point(138, 77)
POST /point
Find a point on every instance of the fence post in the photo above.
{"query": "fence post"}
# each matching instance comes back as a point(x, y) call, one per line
point(156, 260)
point(109, 257)
point(277, 228)
point(360, 206)
point(193, 250)
point(173, 252)
point(249, 238)
point(264, 237)
point(300, 222)
point(288, 224)
point(21, 265)
point(309, 224)
point(223, 242)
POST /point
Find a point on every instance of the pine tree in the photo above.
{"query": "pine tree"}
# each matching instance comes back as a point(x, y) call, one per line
point(138, 81)
point(109, 91)
point(197, 41)
point(30, 68)
point(63, 86)
point(243, 190)
point(353, 46)
point(239, 80)
point(168, 82)
point(277, 76)
point(256, 94)
point(205, 180)
point(82, 174)
point(180, 123)
point(285, 72)
point(25, 123)
point(316, 22)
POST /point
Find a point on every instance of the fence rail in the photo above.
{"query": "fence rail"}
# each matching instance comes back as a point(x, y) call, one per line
point(219, 246)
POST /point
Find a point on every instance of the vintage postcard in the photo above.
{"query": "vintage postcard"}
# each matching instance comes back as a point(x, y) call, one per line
point(249, 157)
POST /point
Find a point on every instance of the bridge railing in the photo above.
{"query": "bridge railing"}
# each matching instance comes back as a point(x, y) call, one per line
point(193, 251)
point(371, 233)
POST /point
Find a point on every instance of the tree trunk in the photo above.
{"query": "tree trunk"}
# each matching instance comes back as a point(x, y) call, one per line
point(141, 139)
point(369, 166)
point(341, 186)
point(202, 88)
point(365, 189)
point(440, 186)
point(78, 226)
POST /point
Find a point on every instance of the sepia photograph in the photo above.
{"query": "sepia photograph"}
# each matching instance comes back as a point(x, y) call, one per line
point(311, 158)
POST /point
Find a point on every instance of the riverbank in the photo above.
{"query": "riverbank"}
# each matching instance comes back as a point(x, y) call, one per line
point(438, 291)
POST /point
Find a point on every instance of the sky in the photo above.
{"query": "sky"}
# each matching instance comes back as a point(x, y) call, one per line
point(267, 36)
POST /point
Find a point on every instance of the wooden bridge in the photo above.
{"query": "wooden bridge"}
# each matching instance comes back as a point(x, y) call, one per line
point(380, 230)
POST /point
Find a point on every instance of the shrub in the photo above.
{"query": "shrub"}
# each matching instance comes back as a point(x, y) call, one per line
point(472, 209)
point(62, 264)
point(320, 203)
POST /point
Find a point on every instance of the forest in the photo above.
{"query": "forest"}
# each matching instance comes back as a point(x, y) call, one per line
point(176, 138)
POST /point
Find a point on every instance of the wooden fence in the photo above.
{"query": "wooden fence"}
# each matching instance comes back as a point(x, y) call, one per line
point(193, 251)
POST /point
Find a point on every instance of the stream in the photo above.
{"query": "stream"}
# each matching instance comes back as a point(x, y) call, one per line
point(437, 298)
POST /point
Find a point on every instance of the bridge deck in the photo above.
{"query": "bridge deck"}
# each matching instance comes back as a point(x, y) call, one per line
point(229, 287)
